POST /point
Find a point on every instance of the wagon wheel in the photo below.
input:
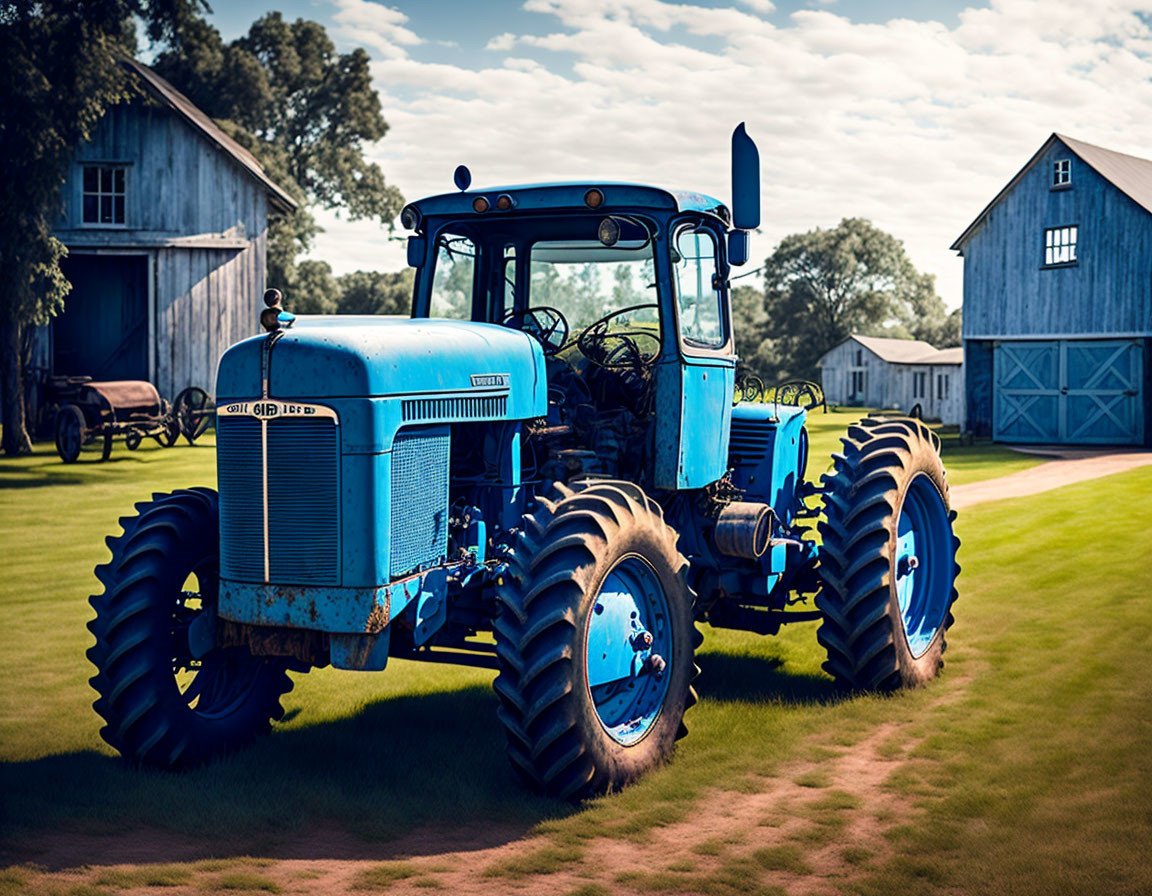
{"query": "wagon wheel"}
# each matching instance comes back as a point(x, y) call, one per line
point(800, 394)
point(752, 389)
point(169, 434)
point(70, 432)
point(193, 411)
point(106, 450)
point(132, 439)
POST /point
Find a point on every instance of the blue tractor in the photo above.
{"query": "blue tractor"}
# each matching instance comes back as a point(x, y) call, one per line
point(542, 472)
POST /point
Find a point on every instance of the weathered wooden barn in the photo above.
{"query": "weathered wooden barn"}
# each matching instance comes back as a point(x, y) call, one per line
point(873, 372)
point(165, 218)
point(1058, 301)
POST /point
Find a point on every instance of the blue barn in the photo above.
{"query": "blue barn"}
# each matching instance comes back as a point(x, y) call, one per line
point(1058, 301)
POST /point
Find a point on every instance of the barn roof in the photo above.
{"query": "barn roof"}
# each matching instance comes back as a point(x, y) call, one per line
point(1131, 175)
point(175, 100)
point(908, 351)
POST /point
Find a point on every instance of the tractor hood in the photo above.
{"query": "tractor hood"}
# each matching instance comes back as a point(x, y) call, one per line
point(381, 357)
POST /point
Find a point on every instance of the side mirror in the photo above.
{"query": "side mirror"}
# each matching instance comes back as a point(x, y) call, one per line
point(738, 247)
point(417, 246)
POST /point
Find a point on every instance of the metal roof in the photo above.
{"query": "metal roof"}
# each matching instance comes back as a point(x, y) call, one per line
point(544, 196)
point(908, 351)
point(1131, 175)
point(175, 100)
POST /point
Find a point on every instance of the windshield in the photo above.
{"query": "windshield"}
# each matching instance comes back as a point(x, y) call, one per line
point(585, 280)
point(455, 272)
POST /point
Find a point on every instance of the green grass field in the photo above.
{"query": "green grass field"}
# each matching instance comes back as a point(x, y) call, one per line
point(1024, 769)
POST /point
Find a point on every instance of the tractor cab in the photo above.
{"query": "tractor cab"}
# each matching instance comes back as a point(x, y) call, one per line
point(625, 288)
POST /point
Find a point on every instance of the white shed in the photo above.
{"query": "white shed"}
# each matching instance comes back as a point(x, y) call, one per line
point(874, 372)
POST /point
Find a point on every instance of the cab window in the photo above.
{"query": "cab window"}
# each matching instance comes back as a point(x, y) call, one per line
point(454, 277)
point(699, 302)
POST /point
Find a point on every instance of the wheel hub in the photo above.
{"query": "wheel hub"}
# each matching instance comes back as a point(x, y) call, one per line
point(628, 642)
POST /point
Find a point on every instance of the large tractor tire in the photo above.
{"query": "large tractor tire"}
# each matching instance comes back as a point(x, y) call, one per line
point(888, 557)
point(595, 638)
point(162, 706)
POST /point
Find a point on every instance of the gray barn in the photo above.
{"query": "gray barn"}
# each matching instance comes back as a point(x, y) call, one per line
point(1058, 301)
point(165, 218)
point(873, 372)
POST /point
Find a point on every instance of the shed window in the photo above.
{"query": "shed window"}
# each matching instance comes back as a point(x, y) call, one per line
point(1061, 172)
point(859, 357)
point(103, 194)
point(857, 385)
point(1060, 245)
point(919, 384)
point(943, 386)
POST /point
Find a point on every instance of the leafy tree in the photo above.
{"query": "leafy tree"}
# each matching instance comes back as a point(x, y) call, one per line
point(314, 289)
point(303, 109)
point(825, 284)
point(376, 292)
point(59, 72)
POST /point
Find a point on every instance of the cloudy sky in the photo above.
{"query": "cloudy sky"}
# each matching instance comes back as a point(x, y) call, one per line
point(913, 113)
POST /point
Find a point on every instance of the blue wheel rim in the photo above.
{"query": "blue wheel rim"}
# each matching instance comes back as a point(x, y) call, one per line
point(922, 567)
point(628, 651)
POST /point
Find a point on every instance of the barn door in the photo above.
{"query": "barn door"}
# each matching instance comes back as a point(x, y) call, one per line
point(103, 330)
point(1027, 390)
point(1069, 391)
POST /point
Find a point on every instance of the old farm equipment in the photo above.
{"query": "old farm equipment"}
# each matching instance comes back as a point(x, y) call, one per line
point(90, 412)
point(547, 452)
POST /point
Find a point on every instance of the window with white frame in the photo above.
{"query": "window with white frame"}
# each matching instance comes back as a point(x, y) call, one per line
point(103, 194)
point(1060, 245)
point(1061, 172)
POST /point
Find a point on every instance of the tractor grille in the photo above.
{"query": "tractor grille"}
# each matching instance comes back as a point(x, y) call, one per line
point(750, 440)
point(459, 408)
point(419, 530)
point(303, 538)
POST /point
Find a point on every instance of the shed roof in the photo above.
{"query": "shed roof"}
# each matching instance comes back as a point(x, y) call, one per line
point(174, 99)
point(908, 351)
point(1131, 175)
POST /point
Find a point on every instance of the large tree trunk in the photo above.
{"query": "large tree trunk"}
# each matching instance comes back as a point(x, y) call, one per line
point(16, 439)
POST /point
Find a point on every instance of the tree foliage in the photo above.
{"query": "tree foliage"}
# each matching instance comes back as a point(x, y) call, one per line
point(59, 72)
point(300, 107)
point(822, 286)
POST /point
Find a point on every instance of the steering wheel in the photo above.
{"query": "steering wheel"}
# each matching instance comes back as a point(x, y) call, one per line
point(545, 323)
point(619, 349)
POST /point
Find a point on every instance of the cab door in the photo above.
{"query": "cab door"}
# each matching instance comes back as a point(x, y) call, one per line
point(694, 392)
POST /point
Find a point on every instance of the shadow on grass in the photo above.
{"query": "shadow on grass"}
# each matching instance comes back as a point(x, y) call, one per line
point(428, 766)
point(405, 776)
point(725, 676)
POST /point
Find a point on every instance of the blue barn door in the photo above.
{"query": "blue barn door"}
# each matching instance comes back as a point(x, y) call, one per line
point(1069, 391)
point(103, 330)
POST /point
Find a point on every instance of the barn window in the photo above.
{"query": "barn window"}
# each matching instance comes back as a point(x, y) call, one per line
point(859, 357)
point(919, 384)
point(1060, 245)
point(1061, 172)
point(103, 194)
point(943, 384)
point(857, 384)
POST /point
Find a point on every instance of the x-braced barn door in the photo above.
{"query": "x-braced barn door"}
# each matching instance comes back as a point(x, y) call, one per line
point(1069, 391)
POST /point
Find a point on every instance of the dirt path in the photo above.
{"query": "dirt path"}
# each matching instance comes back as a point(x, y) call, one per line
point(1046, 476)
point(804, 829)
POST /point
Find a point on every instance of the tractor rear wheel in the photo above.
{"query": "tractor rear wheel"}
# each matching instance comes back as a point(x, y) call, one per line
point(595, 638)
point(169, 698)
point(888, 557)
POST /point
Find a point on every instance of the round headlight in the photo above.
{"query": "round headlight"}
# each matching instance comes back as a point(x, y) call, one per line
point(504, 202)
point(480, 205)
point(593, 198)
point(409, 217)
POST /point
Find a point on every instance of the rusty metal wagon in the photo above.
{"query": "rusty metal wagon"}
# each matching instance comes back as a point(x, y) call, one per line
point(91, 412)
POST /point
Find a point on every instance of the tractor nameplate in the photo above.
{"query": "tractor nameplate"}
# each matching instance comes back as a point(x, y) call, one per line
point(268, 408)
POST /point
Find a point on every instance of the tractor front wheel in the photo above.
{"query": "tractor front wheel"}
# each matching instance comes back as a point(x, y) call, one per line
point(168, 697)
point(595, 638)
point(888, 557)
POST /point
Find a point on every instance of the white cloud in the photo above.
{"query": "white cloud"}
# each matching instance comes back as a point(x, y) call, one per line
point(913, 124)
point(760, 6)
point(505, 41)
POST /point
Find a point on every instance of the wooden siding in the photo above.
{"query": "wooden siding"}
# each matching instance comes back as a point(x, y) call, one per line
point(202, 221)
point(1009, 294)
point(889, 385)
point(177, 183)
